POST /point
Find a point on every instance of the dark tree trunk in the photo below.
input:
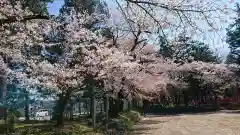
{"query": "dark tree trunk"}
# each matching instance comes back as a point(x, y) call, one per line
point(93, 107)
point(26, 107)
point(79, 107)
point(186, 99)
point(121, 105)
point(145, 106)
point(3, 86)
point(177, 100)
point(217, 104)
point(60, 107)
point(129, 105)
point(106, 109)
point(71, 110)
point(113, 107)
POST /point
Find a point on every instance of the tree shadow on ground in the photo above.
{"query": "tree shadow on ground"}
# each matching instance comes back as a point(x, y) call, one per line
point(231, 111)
point(147, 122)
point(142, 130)
point(161, 111)
point(179, 114)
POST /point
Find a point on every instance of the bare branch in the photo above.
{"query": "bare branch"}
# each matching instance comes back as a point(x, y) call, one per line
point(12, 19)
point(167, 7)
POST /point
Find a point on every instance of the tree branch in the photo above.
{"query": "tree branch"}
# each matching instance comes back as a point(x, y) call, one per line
point(12, 19)
point(167, 7)
point(145, 10)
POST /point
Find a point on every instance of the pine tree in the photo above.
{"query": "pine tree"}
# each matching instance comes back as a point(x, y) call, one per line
point(233, 39)
point(186, 49)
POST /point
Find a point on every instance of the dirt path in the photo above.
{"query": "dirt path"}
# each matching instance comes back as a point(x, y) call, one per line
point(187, 124)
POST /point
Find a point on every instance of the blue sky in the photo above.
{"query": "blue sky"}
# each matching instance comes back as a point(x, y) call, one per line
point(54, 7)
point(211, 38)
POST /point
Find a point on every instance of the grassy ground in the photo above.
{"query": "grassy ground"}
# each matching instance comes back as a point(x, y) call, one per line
point(48, 129)
point(124, 123)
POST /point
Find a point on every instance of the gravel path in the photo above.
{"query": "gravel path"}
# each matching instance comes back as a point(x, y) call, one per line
point(187, 124)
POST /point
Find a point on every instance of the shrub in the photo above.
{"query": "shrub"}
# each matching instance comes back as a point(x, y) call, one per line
point(126, 122)
point(129, 119)
point(134, 116)
point(79, 129)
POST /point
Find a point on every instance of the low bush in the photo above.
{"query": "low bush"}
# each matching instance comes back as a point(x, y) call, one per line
point(129, 119)
point(79, 129)
point(134, 116)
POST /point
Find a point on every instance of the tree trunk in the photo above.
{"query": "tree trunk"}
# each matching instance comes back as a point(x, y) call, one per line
point(79, 107)
point(121, 105)
point(3, 83)
point(145, 107)
point(106, 109)
point(113, 107)
point(186, 99)
point(26, 107)
point(217, 103)
point(129, 105)
point(71, 110)
point(93, 107)
point(88, 105)
point(102, 108)
point(3, 87)
point(60, 107)
point(177, 100)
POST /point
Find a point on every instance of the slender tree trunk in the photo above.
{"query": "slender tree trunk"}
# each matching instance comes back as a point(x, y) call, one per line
point(106, 109)
point(3, 88)
point(27, 107)
point(177, 100)
point(186, 99)
point(102, 107)
point(71, 110)
point(79, 107)
point(217, 104)
point(129, 105)
point(93, 107)
point(113, 107)
point(3, 83)
point(88, 104)
point(145, 107)
point(121, 105)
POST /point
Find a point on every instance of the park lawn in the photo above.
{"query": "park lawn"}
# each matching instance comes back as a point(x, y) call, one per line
point(72, 128)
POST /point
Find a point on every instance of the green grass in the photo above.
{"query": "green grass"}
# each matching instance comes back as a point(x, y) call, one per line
point(48, 129)
point(126, 120)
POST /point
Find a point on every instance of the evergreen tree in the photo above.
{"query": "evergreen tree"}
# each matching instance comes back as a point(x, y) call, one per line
point(37, 6)
point(233, 39)
point(187, 50)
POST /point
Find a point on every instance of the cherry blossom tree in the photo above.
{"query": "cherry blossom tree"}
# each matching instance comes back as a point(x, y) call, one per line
point(163, 18)
point(63, 56)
